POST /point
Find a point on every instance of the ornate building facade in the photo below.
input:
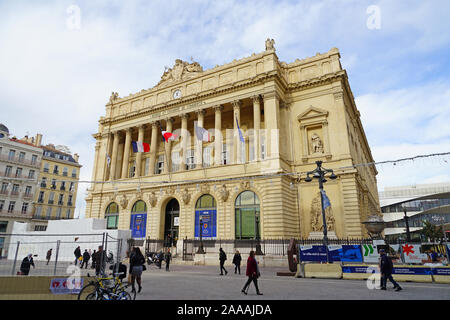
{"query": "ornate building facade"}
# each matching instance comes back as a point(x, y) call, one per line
point(245, 134)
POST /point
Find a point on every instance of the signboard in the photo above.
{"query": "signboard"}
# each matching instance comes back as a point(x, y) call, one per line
point(313, 253)
point(138, 225)
point(370, 253)
point(359, 269)
point(411, 253)
point(412, 271)
point(208, 223)
point(351, 253)
point(337, 253)
point(176, 221)
point(441, 271)
point(66, 285)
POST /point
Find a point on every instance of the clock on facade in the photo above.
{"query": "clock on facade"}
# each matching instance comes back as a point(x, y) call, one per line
point(177, 94)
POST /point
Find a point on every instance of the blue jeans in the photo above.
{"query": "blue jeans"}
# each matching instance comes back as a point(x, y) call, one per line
point(388, 276)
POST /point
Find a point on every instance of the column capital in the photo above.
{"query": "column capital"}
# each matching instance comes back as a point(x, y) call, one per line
point(185, 116)
point(155, 124)
point(272, 94)
point(218, 108)
point(237, 104)
point(256, 98)
point(142, 126)
point(201, 112)
point(170, 119)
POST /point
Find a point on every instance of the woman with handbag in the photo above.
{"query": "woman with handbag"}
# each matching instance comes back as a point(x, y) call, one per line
point(252, 273)
point(137, 261)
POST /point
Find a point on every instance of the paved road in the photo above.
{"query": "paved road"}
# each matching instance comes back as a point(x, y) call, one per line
point(205, 283)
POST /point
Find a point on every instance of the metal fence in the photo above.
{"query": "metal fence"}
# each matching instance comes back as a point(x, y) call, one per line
point(61, 259)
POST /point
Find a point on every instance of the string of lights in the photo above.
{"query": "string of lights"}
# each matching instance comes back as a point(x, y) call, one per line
point(223, 180)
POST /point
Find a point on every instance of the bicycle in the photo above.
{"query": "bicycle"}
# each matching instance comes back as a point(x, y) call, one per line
point(107, 288)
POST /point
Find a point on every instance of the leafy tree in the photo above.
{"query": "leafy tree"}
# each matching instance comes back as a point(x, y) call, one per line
point(431, 231)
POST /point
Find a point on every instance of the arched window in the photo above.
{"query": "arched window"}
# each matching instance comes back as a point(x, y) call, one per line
point(138, 220)
point(247, 216)
point(205, 217)
point(112, 216)
point(139, 206)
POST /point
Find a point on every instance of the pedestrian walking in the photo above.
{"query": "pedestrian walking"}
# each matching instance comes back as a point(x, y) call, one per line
point(167, 257)
point(100, 261)
point(252, 273)
point(27, 262)
point(237, 262)
point(49, 255)
point(86, 257)
point(222, 259)
point(94, 258)
point(160, 258)
point(386, 267)
point(137, 261)
point(77, 254)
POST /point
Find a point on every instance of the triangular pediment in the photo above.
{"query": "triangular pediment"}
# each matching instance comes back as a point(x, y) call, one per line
point(312, 112)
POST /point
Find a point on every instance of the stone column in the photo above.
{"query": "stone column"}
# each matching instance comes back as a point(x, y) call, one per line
point(126, 153)
point(112, 172)
point(218, 136)
point(184, 142)
point(153, 148)
point(139, 154)
point(236, 141)
point(167, 146)
point(272, 124)
point(199, 143)
point(256, 127)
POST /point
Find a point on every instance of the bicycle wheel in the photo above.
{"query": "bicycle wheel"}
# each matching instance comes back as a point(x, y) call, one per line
point(89, 290)
point(124, 295)
point(126, 286)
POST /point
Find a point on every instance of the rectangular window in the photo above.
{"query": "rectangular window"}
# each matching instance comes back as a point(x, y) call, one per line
point(38, 212)
point(2, 204)
point(65, 172)
point(15, 190)
point(132, 172)
point(60, 200)
point(44, 182)
point(63, 185)
point(34, 159)
point(72, 187)
point(112, 222)
point(46, 167)
point(74, 173)
point(41, 197)
point(58, 213)
point(18, 172)
point(22, 156)
point(206, 157)
point(51, 198)
point(4, 188)
point(175, 161)
point(49, 212)
point(251, 148)
point(147, 164)
point(11, 206)
point(24, 207)
point(40, 228)
point(8, 171)
point(31, 174)
point(28, 191)
point(12, 154)
point(68, 213)
point(225, 154)
point(160, 165)
point(55, 169)
point(263, 146)
point(69, 201)
point(53, 184)
point(190, 159)
point(243, 145)
point(3, 226)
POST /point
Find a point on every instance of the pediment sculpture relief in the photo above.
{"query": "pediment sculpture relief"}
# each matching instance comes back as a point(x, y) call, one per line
point(182, 70)
point(316, 144)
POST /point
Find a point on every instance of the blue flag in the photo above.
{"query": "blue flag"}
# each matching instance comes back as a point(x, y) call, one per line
point(325, 201)
point(241, 137)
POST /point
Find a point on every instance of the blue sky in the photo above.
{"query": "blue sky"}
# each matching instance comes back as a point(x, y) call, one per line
point(56, 78)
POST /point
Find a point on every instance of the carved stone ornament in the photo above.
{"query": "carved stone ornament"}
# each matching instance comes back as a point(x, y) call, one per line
point(204, 188)
point(245, 184)
point(123, 201)
point(224, 193)
point(152, 199)
point(270, 44)
point(114, 97)
point(170, 190)
point(182, 70)
point(186, 196)
point(316, 144)
point(316, 215)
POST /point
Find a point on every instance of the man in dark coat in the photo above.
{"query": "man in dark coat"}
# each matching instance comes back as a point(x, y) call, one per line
point(386, 267)
point(222, 258)
point(100, 261)
point(86, 258)
point(93, 256)
point(237, 262)
point(167, 258)
point(77, 254)
point(27, 262)
point(49, 255)
point(252, 273)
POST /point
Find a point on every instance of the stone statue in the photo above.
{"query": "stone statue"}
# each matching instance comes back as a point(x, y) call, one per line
point(270, 44)
point(186, 196)
point(114, 97)
point(316, 144)
point(152, 199)
point(123, 202)
point(316, 215)
point(224, 193)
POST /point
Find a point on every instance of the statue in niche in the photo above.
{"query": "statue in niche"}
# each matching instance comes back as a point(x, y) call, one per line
point(316, 144)
point(316, 215)
point(270, 44)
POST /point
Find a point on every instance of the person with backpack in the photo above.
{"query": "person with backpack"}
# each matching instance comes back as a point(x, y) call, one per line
point(222, 258)
point(386, 267)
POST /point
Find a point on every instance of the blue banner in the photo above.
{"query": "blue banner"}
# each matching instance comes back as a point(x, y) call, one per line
point(441, 271)
point(358, 269)
point(412, 271)
point(138, 224)
point(208, 223)
point(336, 253)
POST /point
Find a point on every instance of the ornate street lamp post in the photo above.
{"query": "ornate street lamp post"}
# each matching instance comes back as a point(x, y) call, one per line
point(200, 248)
point(258, 242)
point(319, 173)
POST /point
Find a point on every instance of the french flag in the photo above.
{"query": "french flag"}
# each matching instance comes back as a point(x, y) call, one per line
point(169, 136)
point(140, 146)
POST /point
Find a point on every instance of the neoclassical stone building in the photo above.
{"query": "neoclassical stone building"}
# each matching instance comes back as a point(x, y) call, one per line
point(265, 124)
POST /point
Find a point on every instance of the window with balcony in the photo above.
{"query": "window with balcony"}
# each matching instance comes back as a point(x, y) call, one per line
point(60, 200)
point(2, 204)
point(207, 157)
point(18, 172)
point(31, 174)
point(175, 161)
point(24, 207)
point(53, 184)
point(4, 189)
point(63, 186)
point(15, 190)
point(28, 191)
point(56, 169)
point(51, 198)
point(65, 171)
point(12, 154)
point(190, 159)
point(69, 201)
point(11, 206)
point(22, 157)
point(46, 167)
point(160, 165)
point(74, 173)
point(41, 197)
point(225, 154)
point(34, 159)
point(8, 171)
point(44, 182)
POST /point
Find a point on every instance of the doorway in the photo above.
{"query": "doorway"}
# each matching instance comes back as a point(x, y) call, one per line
point(171, 223)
